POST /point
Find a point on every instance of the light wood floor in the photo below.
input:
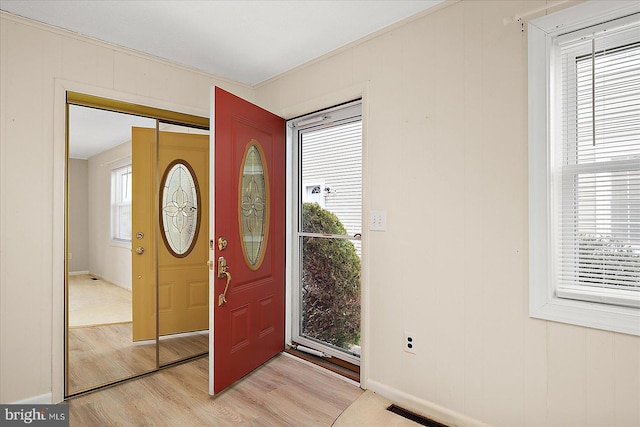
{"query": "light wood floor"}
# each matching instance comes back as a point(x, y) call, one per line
point(282, 392)
point(95, 301)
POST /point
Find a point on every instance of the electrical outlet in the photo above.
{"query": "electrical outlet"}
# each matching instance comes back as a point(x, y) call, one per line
point(410, 342)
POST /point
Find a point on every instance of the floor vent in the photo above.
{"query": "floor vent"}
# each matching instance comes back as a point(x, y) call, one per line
point(424, 421)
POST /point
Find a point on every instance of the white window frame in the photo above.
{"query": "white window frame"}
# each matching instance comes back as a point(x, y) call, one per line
point(329, 117)
point(117, 203)
point(543, 121)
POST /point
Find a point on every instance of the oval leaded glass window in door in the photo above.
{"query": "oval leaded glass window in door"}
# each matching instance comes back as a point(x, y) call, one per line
point(253, 204)
point(179, 208)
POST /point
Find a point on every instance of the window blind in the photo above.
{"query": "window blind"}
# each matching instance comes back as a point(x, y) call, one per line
point(597, 166)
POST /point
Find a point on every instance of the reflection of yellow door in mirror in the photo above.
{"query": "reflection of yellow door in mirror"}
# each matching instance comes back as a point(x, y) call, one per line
point(143, 258)
point(181, 217)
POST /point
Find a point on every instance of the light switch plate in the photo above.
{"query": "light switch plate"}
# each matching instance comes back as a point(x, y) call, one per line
point(378, 220)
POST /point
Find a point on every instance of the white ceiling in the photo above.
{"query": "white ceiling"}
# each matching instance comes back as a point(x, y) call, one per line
point(92, 131)
point(245, 41)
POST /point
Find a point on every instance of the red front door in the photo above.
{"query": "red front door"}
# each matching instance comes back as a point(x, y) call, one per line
point(249, 198)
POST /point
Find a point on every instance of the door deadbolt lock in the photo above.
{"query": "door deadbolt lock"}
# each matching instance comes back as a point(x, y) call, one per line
point(222, 243)
point(139, 235)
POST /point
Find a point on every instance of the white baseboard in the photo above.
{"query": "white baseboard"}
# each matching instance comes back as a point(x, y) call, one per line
point(78, 273)
point(107, 279)
point(43, 399)
point(97, 276)
point(423, 407)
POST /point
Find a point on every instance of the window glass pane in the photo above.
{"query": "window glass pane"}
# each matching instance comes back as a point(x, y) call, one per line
point(126, 186)
point(599, 235)
point(617, 101)
point(254, 204)
point(332, 175)
point(179, 208)
point(121, 203)
point(330, 297)
point(124, 221)
point(600, 244)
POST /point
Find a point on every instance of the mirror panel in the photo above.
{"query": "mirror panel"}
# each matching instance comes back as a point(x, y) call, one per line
point(100, 349)
point(112, 266)
point(183, 275)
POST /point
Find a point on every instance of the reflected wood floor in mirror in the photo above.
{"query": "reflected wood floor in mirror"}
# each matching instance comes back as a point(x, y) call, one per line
point(182, 346)
point(102, 354)
point(282, 392)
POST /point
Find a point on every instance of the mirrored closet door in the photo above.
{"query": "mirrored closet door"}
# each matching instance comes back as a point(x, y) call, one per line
point(134, 302)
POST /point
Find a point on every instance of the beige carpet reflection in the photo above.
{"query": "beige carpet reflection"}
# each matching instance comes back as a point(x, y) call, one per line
point(97, 302)
point(371, 410)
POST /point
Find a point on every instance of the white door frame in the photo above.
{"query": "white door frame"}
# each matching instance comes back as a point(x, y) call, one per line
point(348, 94)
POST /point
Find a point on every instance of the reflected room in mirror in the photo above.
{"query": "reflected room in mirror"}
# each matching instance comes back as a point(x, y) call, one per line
point(105, 296)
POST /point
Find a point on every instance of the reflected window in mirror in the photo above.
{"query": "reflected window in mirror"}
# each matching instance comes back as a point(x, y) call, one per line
point(121, 204)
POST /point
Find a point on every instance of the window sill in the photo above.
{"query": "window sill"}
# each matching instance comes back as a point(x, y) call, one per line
point(121, 243)
point(619, 297)
point(337, 366)
point(624, 320)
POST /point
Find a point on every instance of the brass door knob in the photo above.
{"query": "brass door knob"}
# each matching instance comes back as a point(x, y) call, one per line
point(139, 250)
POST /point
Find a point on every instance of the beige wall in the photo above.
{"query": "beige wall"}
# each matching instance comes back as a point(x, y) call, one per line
point(108, 260)
point(37, 64)
point(78, 215)
point(445, 100)
point(445, 155)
